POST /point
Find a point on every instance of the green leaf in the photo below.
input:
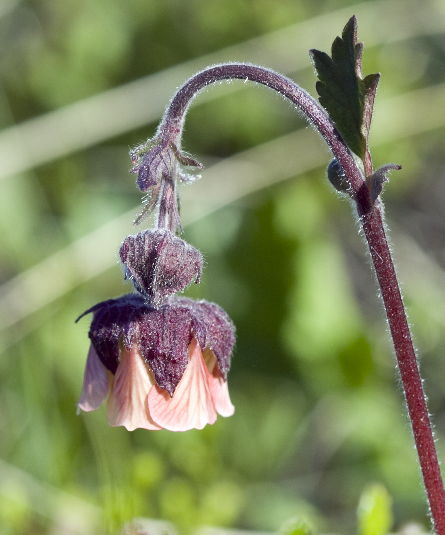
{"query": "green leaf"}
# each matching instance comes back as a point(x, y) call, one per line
point(343, 92)
point(374, 511)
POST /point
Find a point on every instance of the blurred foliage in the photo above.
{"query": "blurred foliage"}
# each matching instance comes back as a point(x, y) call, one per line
point(319, 412)
point(296, 527)
point(374, 511)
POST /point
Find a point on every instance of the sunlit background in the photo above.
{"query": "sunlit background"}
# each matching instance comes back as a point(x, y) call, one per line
point(319, 413)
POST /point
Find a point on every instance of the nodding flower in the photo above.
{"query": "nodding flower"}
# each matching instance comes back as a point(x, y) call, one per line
point(161, 360)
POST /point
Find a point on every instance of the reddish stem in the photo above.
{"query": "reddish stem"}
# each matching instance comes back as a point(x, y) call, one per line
point(373, 228)
point(170, 130)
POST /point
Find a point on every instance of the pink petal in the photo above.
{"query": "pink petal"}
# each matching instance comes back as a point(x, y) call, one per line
point(127, 401)
point(96, 382)
point(218, 387)
point(220, 395)
point(191, 406)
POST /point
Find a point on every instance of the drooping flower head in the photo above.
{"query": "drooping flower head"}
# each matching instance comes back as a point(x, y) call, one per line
point(161, 360)
point(163, 368)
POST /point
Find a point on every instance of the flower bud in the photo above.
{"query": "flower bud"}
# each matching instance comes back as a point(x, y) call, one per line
point(157, 159)
point(160, 264)
point(152, 161)
point(337, 176)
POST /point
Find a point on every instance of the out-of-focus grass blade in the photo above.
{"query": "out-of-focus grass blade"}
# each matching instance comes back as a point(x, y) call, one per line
point(375, 511)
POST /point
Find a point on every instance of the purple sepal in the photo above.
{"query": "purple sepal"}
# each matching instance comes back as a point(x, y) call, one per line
point(162, 335)
point(160, 264)
point(213, 329)
point(220, 334)
point(112, 324)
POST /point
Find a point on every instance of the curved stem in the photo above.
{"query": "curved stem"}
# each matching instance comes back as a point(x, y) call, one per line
point(371, 219)
point(171, 126)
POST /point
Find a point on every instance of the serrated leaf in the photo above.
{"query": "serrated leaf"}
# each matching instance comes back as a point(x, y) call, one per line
point(374, 511)
point(343, 92)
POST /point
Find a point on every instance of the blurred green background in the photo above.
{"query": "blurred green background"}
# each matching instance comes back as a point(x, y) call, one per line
point(319, 413)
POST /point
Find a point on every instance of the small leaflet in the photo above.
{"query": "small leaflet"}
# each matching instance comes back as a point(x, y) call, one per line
point(343, 92)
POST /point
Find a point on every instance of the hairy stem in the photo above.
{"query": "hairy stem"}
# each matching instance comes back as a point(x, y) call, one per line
point(171, 126)
point(170, 131)
point(374, 231)
point(168, 213)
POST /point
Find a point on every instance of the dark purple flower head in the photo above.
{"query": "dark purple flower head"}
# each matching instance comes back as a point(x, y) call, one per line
point(162, 336)
point(162, 368)
point(160, 264)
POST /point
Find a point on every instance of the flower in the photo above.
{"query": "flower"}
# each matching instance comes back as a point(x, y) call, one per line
point(161, 368)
